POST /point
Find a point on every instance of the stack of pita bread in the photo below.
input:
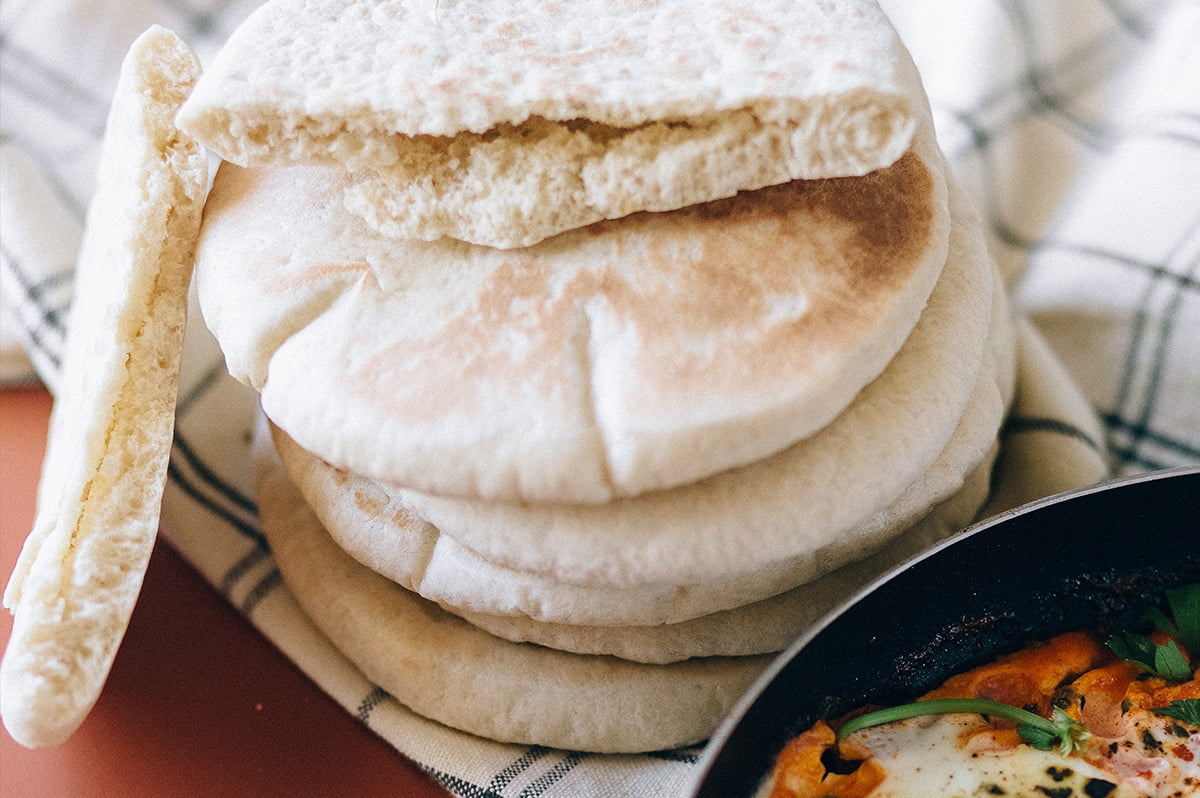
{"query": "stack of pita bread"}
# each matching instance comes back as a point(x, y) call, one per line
point(603, 345)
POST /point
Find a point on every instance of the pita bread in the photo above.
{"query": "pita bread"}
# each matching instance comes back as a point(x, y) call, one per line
point(505, 123)
point(373, 526)
point(762, 627)
point(81, 569)
point(379, 534)
point(749, 520)
point(625, 357)
point(773, 623)
point(443, 668)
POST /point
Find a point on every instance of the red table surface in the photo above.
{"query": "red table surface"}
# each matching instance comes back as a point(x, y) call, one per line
point(198, 703)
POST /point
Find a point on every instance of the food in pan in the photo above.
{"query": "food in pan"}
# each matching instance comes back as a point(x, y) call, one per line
point(1076, 715)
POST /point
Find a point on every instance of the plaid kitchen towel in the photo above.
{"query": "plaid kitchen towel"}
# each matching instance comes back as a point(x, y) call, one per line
point(1075, 124)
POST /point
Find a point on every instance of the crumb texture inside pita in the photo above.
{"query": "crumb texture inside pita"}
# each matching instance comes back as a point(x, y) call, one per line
point(502, 124)
point(81, 569)
point(519, 184)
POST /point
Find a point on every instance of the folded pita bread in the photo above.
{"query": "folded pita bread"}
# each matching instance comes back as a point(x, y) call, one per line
point(624, 357)
point(80, 571)
point(445, 669)
point(504, 123)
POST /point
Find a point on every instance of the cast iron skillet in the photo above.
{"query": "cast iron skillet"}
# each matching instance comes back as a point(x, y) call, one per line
point(1088, 558)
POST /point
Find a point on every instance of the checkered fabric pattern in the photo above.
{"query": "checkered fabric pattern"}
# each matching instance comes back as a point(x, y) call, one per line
point(1075, 125)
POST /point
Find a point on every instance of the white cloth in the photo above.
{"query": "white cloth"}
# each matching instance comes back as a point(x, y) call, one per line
point(1075, 124)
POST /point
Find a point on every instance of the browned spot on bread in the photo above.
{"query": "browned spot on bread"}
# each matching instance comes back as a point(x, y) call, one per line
point(370, 506)
point(741, 293)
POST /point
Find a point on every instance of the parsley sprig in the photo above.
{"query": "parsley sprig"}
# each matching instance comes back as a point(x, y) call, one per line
point(1182, 623)
point(1165, 661)
point(1041, 733)
point(1185, 709)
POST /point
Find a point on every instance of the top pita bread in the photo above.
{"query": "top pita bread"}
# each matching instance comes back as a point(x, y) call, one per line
point(81, 568)
point(502, 123)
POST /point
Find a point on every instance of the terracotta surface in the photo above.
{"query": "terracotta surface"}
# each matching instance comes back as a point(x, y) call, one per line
point(197, 703)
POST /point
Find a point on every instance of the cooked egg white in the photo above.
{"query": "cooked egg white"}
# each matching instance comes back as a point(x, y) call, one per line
point(941, 755)
point(960, 756)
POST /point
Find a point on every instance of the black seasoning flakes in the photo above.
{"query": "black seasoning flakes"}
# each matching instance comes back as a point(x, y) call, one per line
point(1058, 774)
point(1098, 788)
point(1055, 792)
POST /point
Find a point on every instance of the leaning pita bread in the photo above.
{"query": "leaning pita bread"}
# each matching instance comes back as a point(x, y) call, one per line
point(507, 122)
point(749, 520)
point(557, 372)
point(445, 669)
point(81, 569)
point(375, 529)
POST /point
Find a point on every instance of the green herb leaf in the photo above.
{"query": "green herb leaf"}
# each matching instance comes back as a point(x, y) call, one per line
point(1185, 709)
point(1039, 732)
point(1134, 648)
point(1040, 739)
point(1185, 606)
point(1165, 661)
point(1169, 663)
point(1162, 622)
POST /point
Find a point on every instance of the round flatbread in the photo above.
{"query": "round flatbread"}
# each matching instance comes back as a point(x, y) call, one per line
point(644, 625)
point(79, 574)
point(801, 507)
point(764, 626)
point(373, 526)
point(504, 123)
point(625, 357)
point(445, 669)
